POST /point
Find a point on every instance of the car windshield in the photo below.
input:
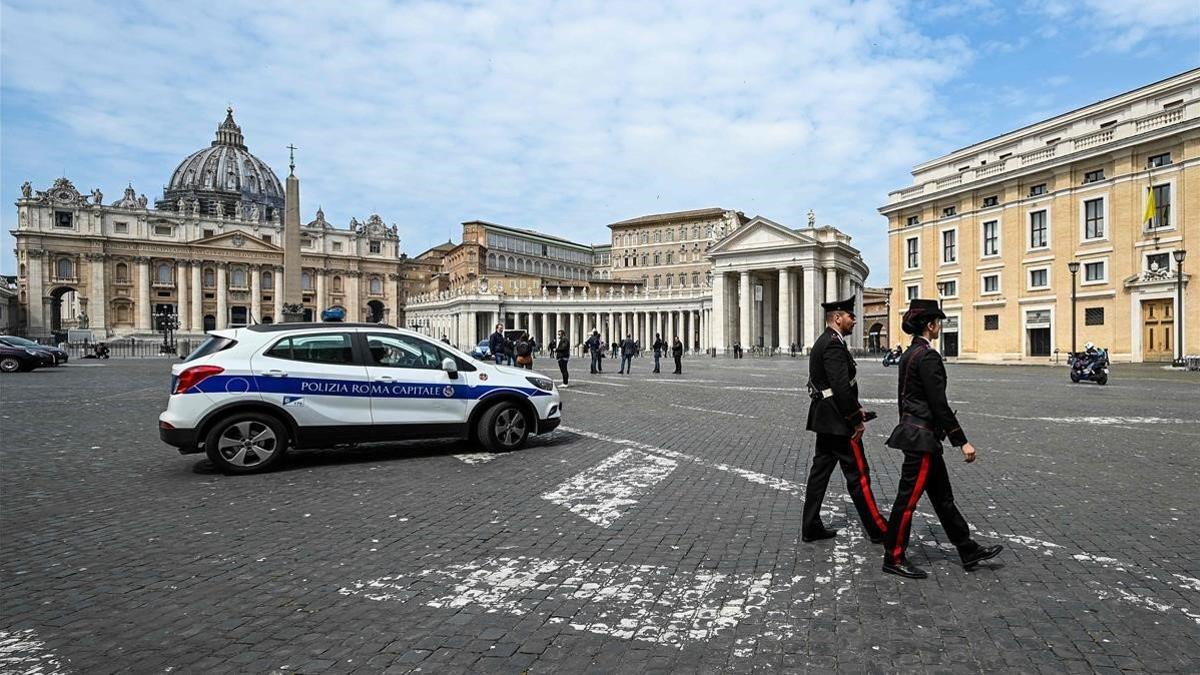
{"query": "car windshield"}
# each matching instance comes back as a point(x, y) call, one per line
point(19, 341)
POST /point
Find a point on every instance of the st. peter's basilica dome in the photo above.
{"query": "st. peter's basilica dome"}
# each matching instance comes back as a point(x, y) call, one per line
point(225, 180)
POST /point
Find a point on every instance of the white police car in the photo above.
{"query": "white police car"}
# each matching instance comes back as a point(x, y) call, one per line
point(246, 395)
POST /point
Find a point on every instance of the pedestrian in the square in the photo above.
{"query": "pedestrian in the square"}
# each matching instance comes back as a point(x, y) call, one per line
point(593, 345)
point(497, 345)
point(839, 420)
point(925, 420)
point(523, 348)
point(562, 353)
point(737, 349)
point(658, 347)
point(628, 348)
point(677, 354)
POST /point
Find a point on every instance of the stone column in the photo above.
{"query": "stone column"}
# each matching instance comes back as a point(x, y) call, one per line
point(320, 299)
point(97, 296)
point(277, 294)
point(36, 318)
point(182, 294)
point(197, 307)
point(811, 308)
point(831, 284)
point(143, 301)
point(255, 294)
point(717, 323)
point(391, 313)
point(794, 308)
point(222, 295)
point(862, 328)
point(544, 338)
point(745, 304)
point(785, 309)
point(353, 291)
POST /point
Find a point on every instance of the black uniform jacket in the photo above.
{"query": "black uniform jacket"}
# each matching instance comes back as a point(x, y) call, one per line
point(925, 414)
point(830, 367)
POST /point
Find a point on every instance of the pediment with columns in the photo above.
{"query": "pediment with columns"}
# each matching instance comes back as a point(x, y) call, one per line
point(760, 234)
point(239, 241)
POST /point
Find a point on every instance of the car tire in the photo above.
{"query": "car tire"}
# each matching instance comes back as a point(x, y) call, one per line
point(503, 428)
point(246, 442)
point(10, 364)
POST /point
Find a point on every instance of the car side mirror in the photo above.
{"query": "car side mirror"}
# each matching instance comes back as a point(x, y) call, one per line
point(451, 367)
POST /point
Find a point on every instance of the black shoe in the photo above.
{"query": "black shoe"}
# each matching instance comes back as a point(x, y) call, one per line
point(819, 535)
point(980, 554)
point(905, 569)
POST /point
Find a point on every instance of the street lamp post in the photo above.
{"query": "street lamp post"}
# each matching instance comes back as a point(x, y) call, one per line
point(1074, 267)
point(1179, 255)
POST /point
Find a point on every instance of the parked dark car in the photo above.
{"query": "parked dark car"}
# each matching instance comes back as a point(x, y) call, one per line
point(15, 359)
point(57, 355)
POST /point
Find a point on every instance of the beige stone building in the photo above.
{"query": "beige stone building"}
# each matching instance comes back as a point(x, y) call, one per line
point(670, 250)
point(994, 230)
point(208, 252)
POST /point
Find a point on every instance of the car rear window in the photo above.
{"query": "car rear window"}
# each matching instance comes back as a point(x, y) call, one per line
point(212, 345)
point(321, 348)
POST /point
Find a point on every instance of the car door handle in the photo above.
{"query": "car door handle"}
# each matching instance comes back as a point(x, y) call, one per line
point(275, 373)
point(386, 379)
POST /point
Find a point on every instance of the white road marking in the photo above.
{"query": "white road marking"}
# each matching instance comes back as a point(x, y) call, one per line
point(476, 457)
point(605, 492)
point(603, 384)
point(632, 602)
point(1140, 600)
point(22, 652)
point(572, 390)
point(1100, 420)
point(715, 412)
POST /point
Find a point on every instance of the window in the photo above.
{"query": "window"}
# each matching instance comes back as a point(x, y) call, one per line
point(991, 238)
point(268, 281)
point(375, 286)
point(1093, 316)
point(1039, 189)
point(326, 348)
point(208, 233)
point(948, 289)
point(990, 201)
point(1162, 206)
point(913, 220)
point(337, 284)
point(1158, 160)
point(657, 258)
point(1037, 230)
point(162, 230)
point(237, 277)
point(695, 278)
point(949, 211)
point(403, 351)
point(1093, 219)
point(913, 260)
point(670, 257)
point(266, 238)
point(376, 247)
point(1093, 176)
point(910, 292)
point(991, 283)
point(1039, 278)
point(306, 242)
point(1094, 271)
point(306, 283)
point(210, 278)
point(991, 322)
point(1158, 261)
point(64, 268)
point(162, 274)
point(657, 280)
point(121, 228)
point(950, 246)
point(122, 273)
point(658, 236)
point(62, 219)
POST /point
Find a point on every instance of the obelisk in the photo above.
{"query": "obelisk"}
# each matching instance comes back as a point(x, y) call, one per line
point(293, 305)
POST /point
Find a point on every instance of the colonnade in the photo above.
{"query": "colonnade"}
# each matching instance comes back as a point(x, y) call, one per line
point(777, 307)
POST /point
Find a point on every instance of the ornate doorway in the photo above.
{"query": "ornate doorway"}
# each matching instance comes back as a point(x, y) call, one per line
point(1158, 328)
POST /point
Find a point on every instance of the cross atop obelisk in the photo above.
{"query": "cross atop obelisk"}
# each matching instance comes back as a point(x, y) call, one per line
point(292, 159)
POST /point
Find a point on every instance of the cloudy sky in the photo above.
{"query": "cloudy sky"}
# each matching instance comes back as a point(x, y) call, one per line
point(559, 116)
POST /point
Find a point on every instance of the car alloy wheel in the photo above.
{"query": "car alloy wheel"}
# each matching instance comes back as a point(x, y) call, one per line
point(247, 444)
point(510, 427)
point(10, 365)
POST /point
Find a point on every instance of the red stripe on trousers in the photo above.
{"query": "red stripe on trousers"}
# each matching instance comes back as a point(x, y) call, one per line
point(902, 535)
point(861, 462)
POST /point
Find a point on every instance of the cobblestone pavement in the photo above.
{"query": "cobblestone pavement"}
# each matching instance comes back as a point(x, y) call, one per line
point(658, 530)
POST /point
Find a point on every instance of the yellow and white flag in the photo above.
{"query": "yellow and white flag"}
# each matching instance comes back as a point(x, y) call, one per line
point(1150, 206)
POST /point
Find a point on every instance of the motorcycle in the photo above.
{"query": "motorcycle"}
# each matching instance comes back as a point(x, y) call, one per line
point(1092, 367)
point(892, 357)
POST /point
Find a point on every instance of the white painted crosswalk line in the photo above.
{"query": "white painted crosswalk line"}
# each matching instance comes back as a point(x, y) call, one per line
point(604, 492)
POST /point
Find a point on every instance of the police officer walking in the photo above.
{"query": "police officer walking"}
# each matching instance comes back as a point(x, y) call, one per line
point(838, 419)
point(926, 419)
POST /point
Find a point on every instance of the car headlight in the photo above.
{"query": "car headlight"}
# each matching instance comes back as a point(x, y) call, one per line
point(32, 352)
point(541, 383)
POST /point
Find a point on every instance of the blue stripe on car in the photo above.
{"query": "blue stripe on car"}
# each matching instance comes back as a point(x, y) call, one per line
point(240, 384)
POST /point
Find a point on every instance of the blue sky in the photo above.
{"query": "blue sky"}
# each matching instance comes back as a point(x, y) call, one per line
point(559, 116)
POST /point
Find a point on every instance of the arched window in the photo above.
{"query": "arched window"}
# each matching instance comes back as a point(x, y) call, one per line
point(669, 257)
point(375, 286)
point(509, 264)
point(657, 258)
point(268, 281)
point(657, 280)
point(682, 232)
point(162, 273)
point(645, 238)
point(210, 277)
point(21, 270)
point(668, 281)
point(670, 235)
point(491, 263)
point(658, 236)
point(305, 281)
point(122, 272)
point(682, 279)
point(695, 232)
point(237, 277)
point(64, 268)
point(645, 260)
point(337, 284)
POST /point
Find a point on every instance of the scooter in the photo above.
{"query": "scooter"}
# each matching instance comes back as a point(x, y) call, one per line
point(892, 357)
point(1090, 367)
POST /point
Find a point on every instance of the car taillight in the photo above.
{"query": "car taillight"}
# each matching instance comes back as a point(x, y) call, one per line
point(194, 376)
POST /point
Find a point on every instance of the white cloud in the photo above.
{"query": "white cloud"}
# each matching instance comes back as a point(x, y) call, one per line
point(561, 117)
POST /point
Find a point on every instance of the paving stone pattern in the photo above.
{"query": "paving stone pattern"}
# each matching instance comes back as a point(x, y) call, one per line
point(119, 555)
